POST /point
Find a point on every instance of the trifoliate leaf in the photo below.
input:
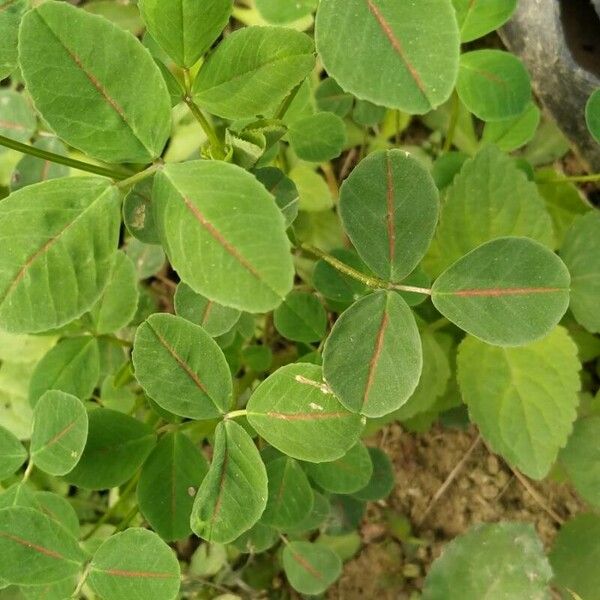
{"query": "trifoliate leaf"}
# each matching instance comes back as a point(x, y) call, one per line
point(522, 399)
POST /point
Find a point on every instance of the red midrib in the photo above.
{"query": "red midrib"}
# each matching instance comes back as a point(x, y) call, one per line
point(36, 547)
point(397, 45)
point(147, 574)
point(375, 357)
point(306, 565)
point(391, 226)
point(305, 416)
point(498, 292)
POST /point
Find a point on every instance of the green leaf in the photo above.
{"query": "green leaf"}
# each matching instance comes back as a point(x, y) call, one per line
point(314, 193)
point(118, 114)
point(301, 318)
point(499, 200)
point(494, 85)
point(283, 189)
point(345, 475)
point(135, 563)
point(333, 284)
point(208, 213)
point(124, 439)
point(581, 253)
point(389, 208)
point(290, 496)
point(592, 115)
point(18, 494)
point(59, 509)
point(511, 134)
point(500, 560)
point(575, 554)
point(236, 475)
point(213, 317)
point(181, 367)
point(252, 71)
point(50, 228)
point(148, 259)
point(279, 13)
point(60, 427)
point(508, 292)
point(35, 547)
point(381, 482)
point(581, 459)
point(317, 516)
point(11, 12)
point(185, 29)
point(372, 359)
point(476, 19)
point(318, 138)
point(72, 366)
point(296, 412)
point(257, 539)
point(18, 121)
point(331, 97)
point(174, 469)
point(523, 400)
point(118, 303)
point(12, 453)
point(564, 201)
point(138, 215)
point(30, 170)
point(383, 50)
point(59, 590)
point(310, 568)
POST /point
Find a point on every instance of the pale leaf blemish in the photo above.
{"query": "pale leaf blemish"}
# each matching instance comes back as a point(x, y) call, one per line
point(316, 406)
point(322, 387)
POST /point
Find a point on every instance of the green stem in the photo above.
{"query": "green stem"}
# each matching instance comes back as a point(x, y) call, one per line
point(81, 583)
point(28, 471)
point(62, 160)
point(572, 179)
point(236, 413)
point(131, 181)
point(372, 282)
point(115, 340)
point(285, 105)
point(109, 514)
point(211, 134)
point(127, 519)
point(452, 124)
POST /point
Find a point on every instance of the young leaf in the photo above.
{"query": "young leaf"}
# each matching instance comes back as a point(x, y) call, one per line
point(35, 547)
point(185, 29)
point(367, 114)
point(508, 292)
point(257, 539)
point(522, 399)
point(463, 571)
point(18, 121)
point(118, 114)
point(581, 459)
point(279, 13)
point(119, 301)
point(476, 19)
point(499, 200)
point(124, 439)
point(296, 412)
point(581, 253)
point(213, 317)
point(12, 453)
point(72, 366)
point(345, 475)
point(135, 563)
point(575, 554)
point(208, 213)
point(60, 427)
point(11, 12)
point(511, 134)
point(389, 208)
point(30, 169)
point(318, 138)
point(50, 228)
point(283, 189)
point(301, 318)
point(381, 482)
point(372, 359)
point(138, 214)
point(592, 115)
point(315, 519)
point(237, 477)
point(494, 85)
point(174, 468)
point(331, 97)
point(252, 71)
point(181, 367)
point(310, 568)
point(402, 55)
point(290, 496)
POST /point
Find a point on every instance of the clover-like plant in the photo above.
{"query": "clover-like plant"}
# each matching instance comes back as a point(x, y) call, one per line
point(207, 289)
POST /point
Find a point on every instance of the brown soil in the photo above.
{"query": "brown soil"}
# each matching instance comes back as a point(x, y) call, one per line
point(399, 544)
